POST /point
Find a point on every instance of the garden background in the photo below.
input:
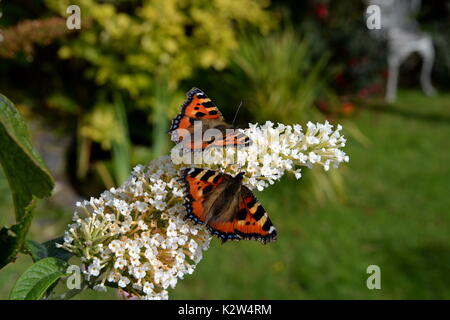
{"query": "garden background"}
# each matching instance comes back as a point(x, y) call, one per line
point(99, 100)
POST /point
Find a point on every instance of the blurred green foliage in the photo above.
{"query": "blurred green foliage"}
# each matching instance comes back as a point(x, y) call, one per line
point(115, 84)
point(131, 45)
point(281, 77)
point(142, 50)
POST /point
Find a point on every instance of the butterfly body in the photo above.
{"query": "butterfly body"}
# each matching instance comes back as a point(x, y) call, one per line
point(199, 108)
point(227, 207)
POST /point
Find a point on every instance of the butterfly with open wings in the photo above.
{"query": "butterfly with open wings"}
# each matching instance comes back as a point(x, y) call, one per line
point(228, 208)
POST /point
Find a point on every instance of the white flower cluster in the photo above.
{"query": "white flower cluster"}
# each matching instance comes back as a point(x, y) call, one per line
point(135, 237)
point(274, 150)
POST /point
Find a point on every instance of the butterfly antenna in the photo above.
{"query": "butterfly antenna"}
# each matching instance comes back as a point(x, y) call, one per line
point(235, 115)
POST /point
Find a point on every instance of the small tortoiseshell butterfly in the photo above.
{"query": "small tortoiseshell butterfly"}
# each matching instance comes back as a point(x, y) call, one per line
point(228, 208)
point(198, 107)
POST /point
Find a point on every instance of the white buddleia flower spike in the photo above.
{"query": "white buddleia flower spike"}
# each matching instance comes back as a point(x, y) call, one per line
point(135, 236)
point(275, 150)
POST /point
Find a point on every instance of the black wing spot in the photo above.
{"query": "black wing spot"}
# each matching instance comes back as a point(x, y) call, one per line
point(259, 213)
point(208, 104)
point(195, 172)
point(251, 203)
point(242, 214)
point(207, 190)
point(216, 179)
point(207, 175)
point(266, 226)
point(200, 114)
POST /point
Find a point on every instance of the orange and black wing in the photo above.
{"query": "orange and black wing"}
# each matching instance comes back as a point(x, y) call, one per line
point(199, 183)
point(197, 106)
point(250, 222)
point(232, 138)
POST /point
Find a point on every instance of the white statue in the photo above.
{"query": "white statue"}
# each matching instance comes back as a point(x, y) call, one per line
point(404, 37)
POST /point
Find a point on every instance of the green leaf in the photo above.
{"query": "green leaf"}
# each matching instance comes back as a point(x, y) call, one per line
point(40, 251)
point(35, 281)
point(27, 175)
point(36, 250)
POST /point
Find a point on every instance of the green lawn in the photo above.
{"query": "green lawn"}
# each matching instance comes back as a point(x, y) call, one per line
point(396, 216)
